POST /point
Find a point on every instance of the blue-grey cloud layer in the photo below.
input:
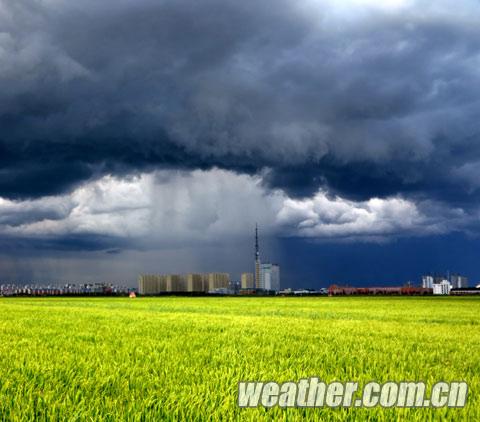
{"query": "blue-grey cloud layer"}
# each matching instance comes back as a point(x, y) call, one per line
point(361, 100)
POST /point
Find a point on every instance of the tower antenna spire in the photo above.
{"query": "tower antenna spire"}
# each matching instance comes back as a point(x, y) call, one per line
point(257, 252)
point(257, 259)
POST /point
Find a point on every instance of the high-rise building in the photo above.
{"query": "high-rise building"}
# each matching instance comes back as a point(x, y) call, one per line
point(458, 281)
point(427, 282)
point(145, 285)
point(150, 284)
point(196, 283)
point(218, 281)
point(270, 277)
point(247, 281)
point(175, 283)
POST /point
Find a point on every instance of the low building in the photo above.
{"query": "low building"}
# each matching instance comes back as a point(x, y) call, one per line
point(466, 291)
point(335, 290)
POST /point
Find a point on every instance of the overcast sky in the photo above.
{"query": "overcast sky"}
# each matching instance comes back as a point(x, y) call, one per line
point(150, 136)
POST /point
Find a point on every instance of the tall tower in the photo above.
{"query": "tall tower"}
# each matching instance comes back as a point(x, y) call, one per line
point(257, 259)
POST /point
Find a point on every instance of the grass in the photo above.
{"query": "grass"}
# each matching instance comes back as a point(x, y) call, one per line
point(181, 358)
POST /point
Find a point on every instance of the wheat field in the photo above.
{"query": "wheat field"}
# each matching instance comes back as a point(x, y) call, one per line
point(178, 358)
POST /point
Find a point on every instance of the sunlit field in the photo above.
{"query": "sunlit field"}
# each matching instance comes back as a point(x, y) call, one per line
point(181, 358)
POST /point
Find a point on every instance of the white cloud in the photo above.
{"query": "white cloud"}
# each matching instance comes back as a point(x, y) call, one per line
point(161, 207)
point(174, 207)
point(325, 217)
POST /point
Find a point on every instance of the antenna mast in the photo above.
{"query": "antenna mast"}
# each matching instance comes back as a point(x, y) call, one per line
point(257, 259)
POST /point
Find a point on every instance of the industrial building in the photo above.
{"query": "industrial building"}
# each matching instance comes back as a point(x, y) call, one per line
point(442, 288)
point(442, 285)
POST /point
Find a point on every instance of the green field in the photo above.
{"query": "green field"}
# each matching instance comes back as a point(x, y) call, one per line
point(181, 358)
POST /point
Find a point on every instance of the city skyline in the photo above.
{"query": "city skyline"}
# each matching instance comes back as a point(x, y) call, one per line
point(148, 136)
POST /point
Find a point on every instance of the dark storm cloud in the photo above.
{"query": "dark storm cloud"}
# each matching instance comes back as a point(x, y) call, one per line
point(18, 216)
point(67, 243)
point(365, 102)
